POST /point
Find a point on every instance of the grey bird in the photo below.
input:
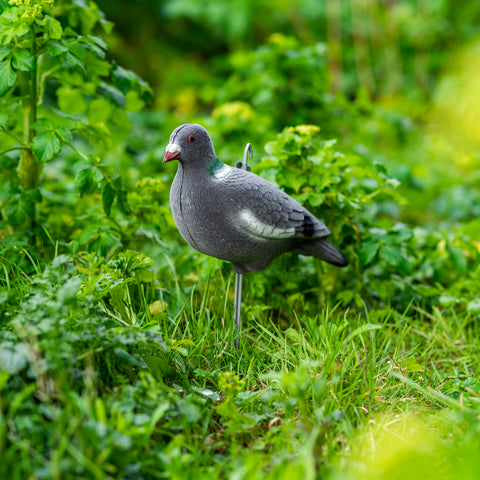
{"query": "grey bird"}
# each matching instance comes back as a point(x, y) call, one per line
point(235, 215)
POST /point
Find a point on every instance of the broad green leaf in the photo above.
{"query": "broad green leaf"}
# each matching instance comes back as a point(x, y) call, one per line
point(99, 110)
point(126, 80)
point(56, 48)
point(19, 210)
point(403, 235)
point(368, 251)
point(46, 146)
point(126, 357)
point(97, 67)
point(64, 134)
point(97, 46)
point(458, 258)
point(87, 180)
point(73, 61)
point(108, 196)
point(43, 125)
point(206, 392)
point(71, 100)
point(346, 296)
point(134, 103)
point(4, 51)
point(7, 77)
point(316, 199)
point(121, 192)
point(53, 27)
point(391, 255)
point(82, 180)
point(98, 41)
point(229, 409)
point(13, 357)
point(113, 94)
point(426, 290)
point(23, 60)
point(158, 366)
point(3, 119)
point(123, 78)
point(75, 56)
point(90, 232)
point(293, 334)
point(405, 265)
point(12, 25)
point(121, 119)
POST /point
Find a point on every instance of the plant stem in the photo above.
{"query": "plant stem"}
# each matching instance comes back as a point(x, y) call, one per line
point(3, 152)
point(76, 150)
point(29, 169)
point(11, 134)
point(33, 96)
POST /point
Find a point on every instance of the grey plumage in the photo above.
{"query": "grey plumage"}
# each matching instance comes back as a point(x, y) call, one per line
point(235, 215)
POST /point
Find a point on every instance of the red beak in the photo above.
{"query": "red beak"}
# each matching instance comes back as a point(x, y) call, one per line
point(171, 156)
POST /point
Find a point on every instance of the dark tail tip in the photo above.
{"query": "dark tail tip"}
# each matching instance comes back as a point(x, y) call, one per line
point(325, 251)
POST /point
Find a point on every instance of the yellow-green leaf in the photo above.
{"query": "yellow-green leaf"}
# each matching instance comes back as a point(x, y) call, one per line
point(24, 60)
point(46, 146)
point(7, 77)
point(54, 28)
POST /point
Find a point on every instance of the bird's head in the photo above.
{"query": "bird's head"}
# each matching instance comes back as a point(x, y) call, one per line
point(189, 143)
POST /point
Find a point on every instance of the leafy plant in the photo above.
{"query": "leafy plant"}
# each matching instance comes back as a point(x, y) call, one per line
point(59, 90)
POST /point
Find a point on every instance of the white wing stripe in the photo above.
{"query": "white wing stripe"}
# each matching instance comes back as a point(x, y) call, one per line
point(256, 227)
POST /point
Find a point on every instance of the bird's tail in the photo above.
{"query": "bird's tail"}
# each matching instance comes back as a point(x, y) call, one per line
point(324, 250)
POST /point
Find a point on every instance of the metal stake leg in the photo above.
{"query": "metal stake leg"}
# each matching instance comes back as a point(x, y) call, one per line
point(238, 303)
point(247, 153)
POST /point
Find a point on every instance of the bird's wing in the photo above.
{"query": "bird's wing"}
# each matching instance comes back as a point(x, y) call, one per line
point(265, 211)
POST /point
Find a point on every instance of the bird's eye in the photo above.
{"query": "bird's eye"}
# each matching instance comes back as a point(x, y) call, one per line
point(191, 138)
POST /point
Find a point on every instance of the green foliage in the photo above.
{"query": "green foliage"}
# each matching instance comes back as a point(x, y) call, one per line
point(285, 73)
point(58, 89)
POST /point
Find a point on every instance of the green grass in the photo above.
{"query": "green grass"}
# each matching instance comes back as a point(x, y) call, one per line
point(335, 395)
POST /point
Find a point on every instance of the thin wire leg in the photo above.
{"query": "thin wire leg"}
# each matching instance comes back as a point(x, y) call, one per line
point(238, 304)
point(247, 153)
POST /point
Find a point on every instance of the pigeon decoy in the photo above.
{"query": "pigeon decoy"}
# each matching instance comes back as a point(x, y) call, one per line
point(234, 215)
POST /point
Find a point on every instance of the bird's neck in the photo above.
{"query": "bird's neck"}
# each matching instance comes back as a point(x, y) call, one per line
point(210, 165)
point(215, 166)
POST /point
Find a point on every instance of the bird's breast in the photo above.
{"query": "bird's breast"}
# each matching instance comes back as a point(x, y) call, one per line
point(205, 217)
